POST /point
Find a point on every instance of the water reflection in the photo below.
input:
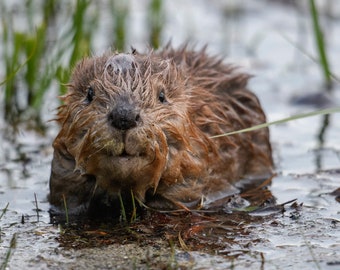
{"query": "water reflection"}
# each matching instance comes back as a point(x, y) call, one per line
point(325, 124)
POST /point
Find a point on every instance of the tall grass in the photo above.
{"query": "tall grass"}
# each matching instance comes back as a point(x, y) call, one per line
point(66, 210)
point(42, 55)
point(3, 211)
point(120, 12)
point(320, 42)
point(156, 21)
point(33, 62)
point(80, 37)
point(24, 53)
point(9, 252)
point(284, 120)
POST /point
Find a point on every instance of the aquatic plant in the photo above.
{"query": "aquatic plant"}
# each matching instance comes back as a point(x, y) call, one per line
point(129, 211)
point(122, 209)
point(24, 52)
point(66, 210)
point(284, 120)
point(120, 12)
point(156, 21)
point(134, 208)
point(320, 42)
point(32, 63)
point(9, 252)
point(4, 210)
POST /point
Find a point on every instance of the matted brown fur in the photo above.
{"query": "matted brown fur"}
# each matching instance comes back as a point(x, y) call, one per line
point(143, 123)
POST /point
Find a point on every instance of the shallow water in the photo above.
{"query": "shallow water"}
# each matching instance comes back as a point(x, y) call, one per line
point(304, 236)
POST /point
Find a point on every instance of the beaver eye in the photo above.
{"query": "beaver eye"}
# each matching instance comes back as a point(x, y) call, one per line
point(161, 97)
point(90, 94)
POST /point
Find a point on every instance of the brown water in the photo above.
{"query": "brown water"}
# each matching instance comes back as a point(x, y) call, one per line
point(304, 234)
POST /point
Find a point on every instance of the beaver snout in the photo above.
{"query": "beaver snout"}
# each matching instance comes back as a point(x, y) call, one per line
point(124, 115)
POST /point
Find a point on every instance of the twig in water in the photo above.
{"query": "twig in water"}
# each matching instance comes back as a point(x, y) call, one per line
point(36, 206)
point(4, 210)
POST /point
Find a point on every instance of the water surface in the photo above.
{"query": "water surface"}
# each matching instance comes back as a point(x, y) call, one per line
point(265, 38)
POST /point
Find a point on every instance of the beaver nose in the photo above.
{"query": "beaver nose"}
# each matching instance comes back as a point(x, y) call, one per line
point(124, 116)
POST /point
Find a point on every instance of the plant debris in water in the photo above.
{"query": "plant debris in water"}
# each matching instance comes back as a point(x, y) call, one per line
point(210, 231)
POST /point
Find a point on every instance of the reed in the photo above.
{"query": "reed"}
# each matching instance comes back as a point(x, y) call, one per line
point(120, 12)
point(4, 211)
point(79, 38)
point(122, 209)
point(283, 120)
point(24, 57)
point(31, 68)
point(134, 208)
point(320, 42)
point(66, 210)
point(172, 262)
point(9, 252)
point(31, 61)
point(156, 21)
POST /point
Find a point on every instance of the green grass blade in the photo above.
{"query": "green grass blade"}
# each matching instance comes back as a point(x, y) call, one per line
point(120, 11)
point(10, 251)
point(320, 42)
point(284, 120)
point(156, 21)
point(4, 210)
point(80, 40)
point(66, 210)
point(122, 208)
point(134, 209)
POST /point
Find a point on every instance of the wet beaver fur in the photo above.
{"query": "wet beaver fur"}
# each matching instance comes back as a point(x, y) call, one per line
point(142, 124)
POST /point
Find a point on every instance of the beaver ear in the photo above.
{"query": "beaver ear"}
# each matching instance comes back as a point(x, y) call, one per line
point(162, 97)
point(90, 94)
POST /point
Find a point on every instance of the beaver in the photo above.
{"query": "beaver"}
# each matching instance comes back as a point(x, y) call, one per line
point(143, 124)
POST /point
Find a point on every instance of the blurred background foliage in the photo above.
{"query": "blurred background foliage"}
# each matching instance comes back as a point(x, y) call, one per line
point(37, 54)
point(42, 40)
